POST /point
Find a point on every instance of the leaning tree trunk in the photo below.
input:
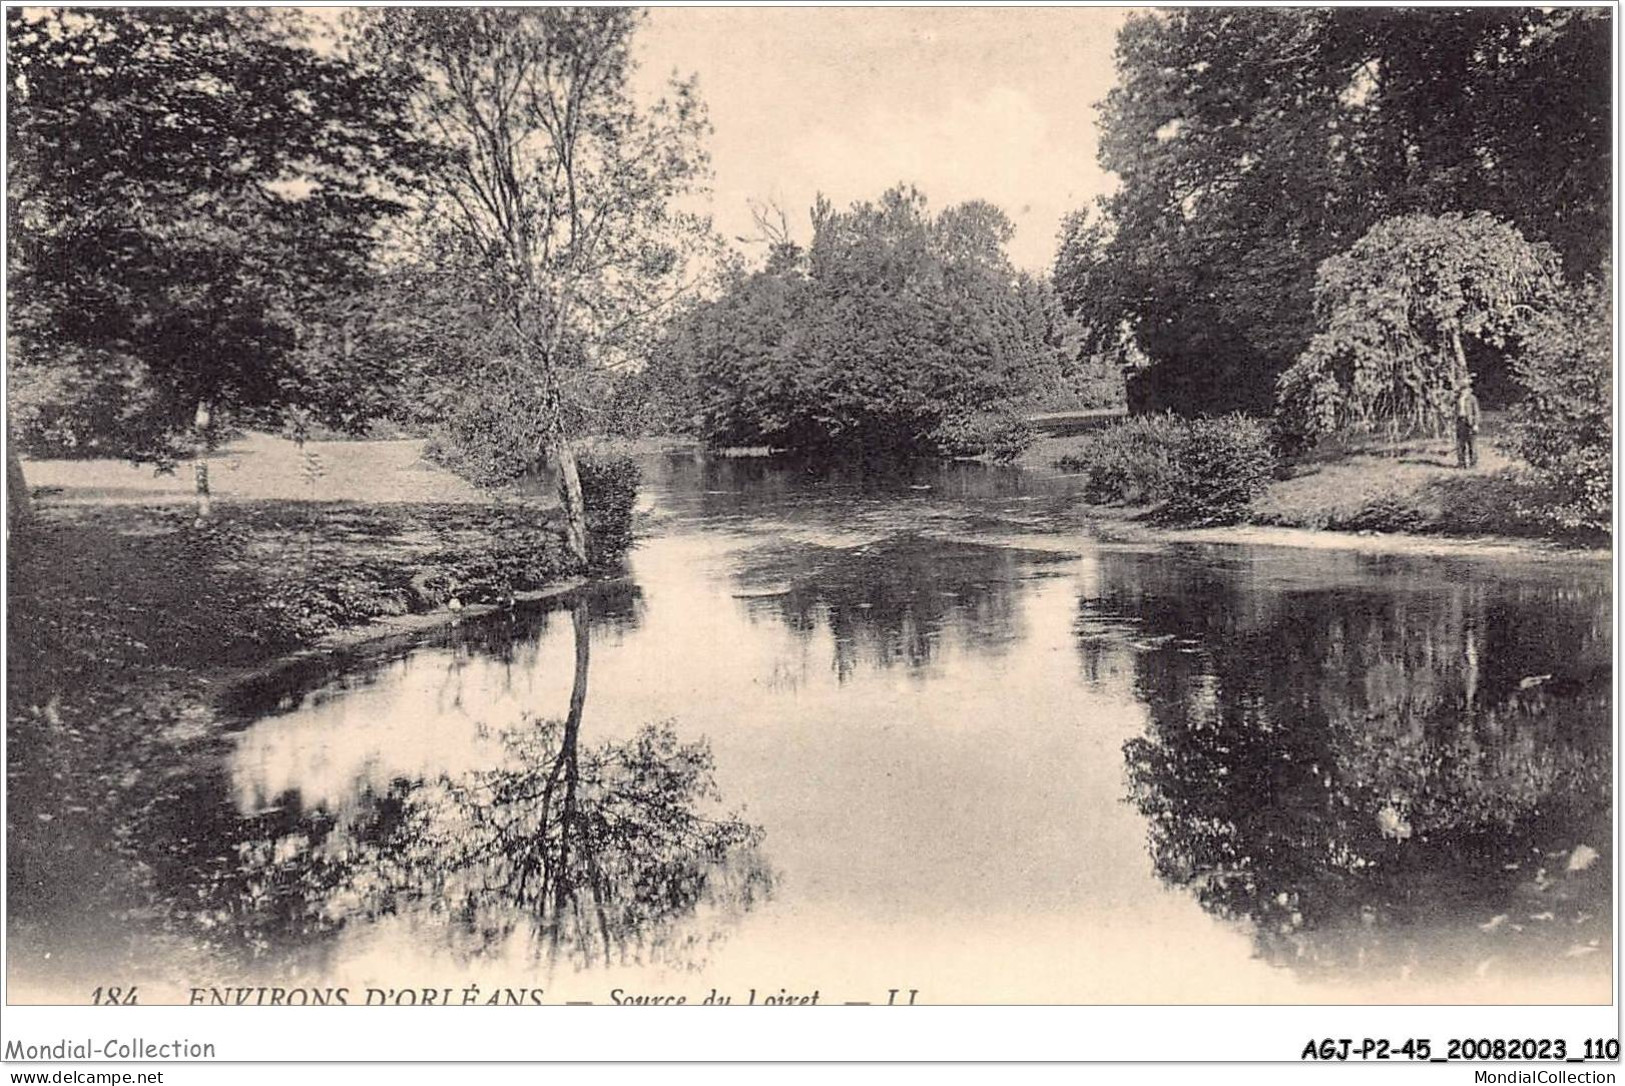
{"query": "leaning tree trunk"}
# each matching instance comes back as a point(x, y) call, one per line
point(200, 455)
point(19, 502)
point(564, 456)
point(570, 496)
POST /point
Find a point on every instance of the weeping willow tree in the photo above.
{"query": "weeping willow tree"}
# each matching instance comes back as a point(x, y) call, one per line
point(1396, 313)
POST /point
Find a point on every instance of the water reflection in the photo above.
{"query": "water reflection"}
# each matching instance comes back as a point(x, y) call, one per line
point(895, 601)
point(551, 849)
point(331, 730)
point(600, 854)
point(1353, 766)
point(1411, 773)
point(724, 489)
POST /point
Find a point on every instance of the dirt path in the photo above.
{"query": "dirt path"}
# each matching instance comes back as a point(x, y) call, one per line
point(260, 467)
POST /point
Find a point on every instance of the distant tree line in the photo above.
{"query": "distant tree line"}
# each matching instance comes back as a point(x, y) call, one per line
point(896, 331)
point(463, 223)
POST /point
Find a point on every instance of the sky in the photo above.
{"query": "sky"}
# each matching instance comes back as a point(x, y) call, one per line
point(965, 103)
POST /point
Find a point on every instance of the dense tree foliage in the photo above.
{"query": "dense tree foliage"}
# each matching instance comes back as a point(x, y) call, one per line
point(1195, 471)
point(1395, 315)
point(1252, 144)
point(1565, 425)
point(896, 332)
point(189, 190)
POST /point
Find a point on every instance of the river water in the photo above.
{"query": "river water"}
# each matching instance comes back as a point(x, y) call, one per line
point(922, 733)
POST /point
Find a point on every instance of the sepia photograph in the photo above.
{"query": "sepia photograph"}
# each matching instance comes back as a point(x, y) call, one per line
point(864, 506)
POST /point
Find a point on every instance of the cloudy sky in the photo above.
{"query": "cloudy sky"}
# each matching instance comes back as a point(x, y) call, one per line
point(963, 103)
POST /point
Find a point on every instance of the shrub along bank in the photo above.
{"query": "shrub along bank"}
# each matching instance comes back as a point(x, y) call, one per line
point(1225, 471)
point(478, 554)
point(1195, 471)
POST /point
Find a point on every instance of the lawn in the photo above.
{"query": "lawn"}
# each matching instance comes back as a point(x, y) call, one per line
point(260, 467)
point(1409, 485)
point(1376, 484)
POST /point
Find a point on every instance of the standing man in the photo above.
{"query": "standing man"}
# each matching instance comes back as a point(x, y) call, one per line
point(1466, 426)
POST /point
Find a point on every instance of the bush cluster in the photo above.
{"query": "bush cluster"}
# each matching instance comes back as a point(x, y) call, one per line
point(518, 557)
point(1564, 428)
point(1384, 513)
point(1203, 471)
point(1000, 436)
point(303, 609)
point(1219, 467)
point(1130, 461)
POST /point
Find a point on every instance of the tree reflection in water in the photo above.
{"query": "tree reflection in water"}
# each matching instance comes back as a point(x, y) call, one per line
point(618, 852)
point(602, 854)
point(818, 489)
point(1411, 774)
point(893, 602)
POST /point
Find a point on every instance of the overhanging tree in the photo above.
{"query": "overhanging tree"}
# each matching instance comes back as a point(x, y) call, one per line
point(1564, 426)
point(558, 204)
point(189, 190)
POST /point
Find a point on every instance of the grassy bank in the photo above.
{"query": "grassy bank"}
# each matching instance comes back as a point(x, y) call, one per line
point(1370, 484)
point(117, 582)
point(127, 618)
point(1412, 485)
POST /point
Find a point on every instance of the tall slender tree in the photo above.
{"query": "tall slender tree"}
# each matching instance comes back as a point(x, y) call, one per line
point(559, 202)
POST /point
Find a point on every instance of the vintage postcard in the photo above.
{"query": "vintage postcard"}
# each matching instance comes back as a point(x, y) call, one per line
point(804, 507)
